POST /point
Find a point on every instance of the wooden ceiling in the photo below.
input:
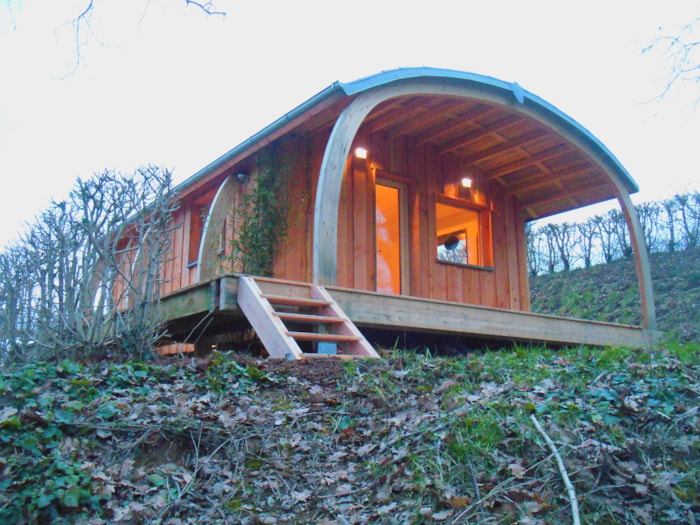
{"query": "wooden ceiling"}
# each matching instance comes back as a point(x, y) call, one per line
point(545, 171)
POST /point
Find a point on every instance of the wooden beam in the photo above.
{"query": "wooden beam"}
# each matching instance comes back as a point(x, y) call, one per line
point(325, 235)
point(475, 135)
point(193, 300)
point(559, 195)
point(509, 144)
point(547, 177)
point(417, 314)
point(325, 243)
point(530, 160)
point(210, 254)
point(641, 258)
point(455, 125)
point(400, 112)
point(446, 110)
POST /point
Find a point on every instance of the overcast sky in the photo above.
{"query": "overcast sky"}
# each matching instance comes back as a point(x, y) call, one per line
point(162, 83)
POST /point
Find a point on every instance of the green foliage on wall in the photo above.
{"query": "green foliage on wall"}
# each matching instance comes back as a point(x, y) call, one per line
point(261, 215)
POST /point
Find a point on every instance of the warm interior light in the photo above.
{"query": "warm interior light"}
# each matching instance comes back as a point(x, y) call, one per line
point(361, 153)
point(466, 182)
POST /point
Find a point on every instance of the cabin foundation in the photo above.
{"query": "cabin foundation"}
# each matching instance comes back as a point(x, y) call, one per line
point(213, 307)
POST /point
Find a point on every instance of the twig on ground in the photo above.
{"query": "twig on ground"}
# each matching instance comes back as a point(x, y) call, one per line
point(562, 470)
point(477, 492)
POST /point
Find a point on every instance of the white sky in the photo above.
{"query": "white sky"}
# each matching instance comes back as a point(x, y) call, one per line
point(161, 83)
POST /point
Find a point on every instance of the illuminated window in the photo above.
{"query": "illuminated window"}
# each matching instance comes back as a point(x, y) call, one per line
point(463, 233)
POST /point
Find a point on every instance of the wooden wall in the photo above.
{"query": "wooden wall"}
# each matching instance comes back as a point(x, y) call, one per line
point(426, 173)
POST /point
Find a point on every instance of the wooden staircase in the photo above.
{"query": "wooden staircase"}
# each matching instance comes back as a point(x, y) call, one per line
point(299, 326)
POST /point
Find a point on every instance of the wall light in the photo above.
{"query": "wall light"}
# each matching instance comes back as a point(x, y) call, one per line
point(242, 177)
point(466, 182)
point(361, 153)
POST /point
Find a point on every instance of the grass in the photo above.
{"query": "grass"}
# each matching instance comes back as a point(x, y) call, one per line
point(609, 293)
point(414, 438)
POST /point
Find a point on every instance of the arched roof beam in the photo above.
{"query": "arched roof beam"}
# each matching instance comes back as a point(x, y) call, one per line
point(369, 93)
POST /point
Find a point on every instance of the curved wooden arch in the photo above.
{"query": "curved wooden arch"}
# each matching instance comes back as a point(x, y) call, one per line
point(325, 234)
point(209, 254)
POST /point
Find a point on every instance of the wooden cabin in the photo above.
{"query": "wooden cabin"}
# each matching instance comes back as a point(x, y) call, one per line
point(395, 202)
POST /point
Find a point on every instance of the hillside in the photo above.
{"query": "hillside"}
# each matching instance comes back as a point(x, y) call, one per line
point(413, 438)
point(610, 293)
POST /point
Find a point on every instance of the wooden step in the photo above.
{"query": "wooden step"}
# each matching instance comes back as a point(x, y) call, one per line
point(281, 342)
point(328, 356)
point(295, 301)
point(329, 338)
point(309, 318)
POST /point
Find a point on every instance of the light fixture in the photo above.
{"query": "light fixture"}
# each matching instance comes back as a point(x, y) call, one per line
point(361, 153)
point(242, 177)
point(466, 182)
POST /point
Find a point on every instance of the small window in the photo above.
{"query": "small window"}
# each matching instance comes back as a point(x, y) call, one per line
point(462, 233)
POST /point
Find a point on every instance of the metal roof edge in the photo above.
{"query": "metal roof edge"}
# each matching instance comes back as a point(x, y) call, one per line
point(521, 95)
point(268, 130)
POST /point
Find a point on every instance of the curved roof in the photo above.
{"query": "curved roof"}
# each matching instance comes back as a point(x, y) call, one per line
point(521, 95)
point(522, 133)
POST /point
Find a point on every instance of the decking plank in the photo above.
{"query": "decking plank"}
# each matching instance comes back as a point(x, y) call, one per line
point(396, 312)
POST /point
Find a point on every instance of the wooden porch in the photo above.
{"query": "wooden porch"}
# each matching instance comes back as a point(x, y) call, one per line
point(212, 308)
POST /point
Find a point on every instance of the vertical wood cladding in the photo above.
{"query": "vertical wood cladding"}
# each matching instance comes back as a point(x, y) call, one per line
point(426, 173)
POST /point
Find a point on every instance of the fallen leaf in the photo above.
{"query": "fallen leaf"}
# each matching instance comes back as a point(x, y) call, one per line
point(386, 509)
point(459, 502)
point(442, 515)
point(516, 470)
point(301, 495)
point(7, 413)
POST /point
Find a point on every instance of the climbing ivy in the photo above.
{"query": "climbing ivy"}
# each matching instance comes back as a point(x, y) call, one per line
point(261, 215)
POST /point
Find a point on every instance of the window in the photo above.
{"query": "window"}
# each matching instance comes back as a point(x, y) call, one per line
point(463, 232)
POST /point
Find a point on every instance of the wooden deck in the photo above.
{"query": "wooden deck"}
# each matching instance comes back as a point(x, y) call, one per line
point(212, 307)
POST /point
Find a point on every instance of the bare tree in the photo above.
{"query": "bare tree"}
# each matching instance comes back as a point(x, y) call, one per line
point(81, 23)
point(562, 239)
point(81, 20)
point(683, 50)
point(86, 277)
point(551, 249)
point(669, 207)
point(534, 249)
point(649, 214)
point(585, 240)
point(688, 210)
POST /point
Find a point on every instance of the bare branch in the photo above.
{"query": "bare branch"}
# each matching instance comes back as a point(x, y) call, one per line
point(683, 51)
point(562, 470)
point(81, 24)
point(82, 20)
point(207, 7)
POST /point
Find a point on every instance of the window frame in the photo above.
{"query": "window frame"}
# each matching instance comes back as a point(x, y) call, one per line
point(485, 245)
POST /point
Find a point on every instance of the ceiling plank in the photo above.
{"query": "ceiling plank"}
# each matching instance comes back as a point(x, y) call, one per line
point(437, 133)
point(515, 143)
point(585, 186)
point(546, 178)
point(400, 111)
point(531, 160)
point(468, 138)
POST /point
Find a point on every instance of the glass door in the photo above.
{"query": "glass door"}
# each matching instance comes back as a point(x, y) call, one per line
point(391, 236)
